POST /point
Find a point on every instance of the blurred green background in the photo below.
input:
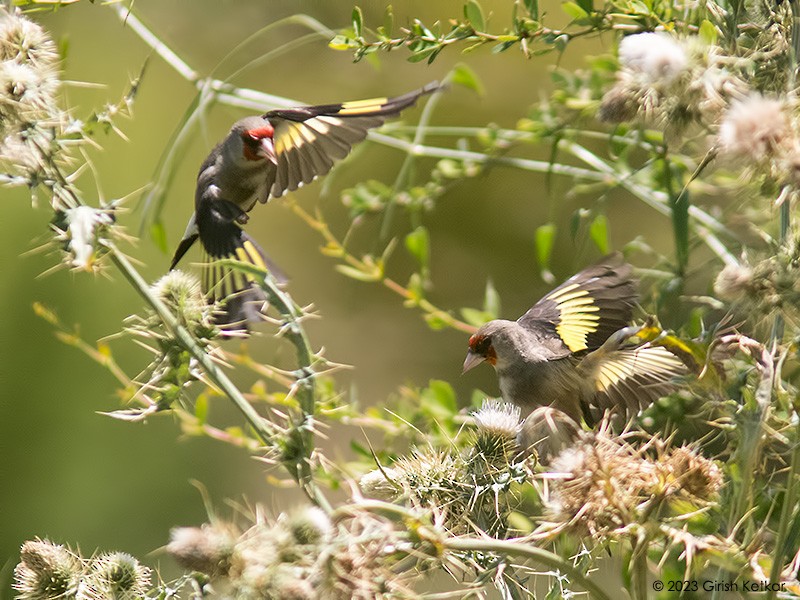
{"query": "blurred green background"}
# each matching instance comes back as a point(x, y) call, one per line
point(75, 476)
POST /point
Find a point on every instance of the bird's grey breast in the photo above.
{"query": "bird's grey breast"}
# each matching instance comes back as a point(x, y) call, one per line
point(550, 383)
point(244, 182)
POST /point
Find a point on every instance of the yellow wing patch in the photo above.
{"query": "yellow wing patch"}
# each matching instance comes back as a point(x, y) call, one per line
point(359, 107)
point(577, 318)
point(255, 256)
point(654, 362)
point(293, 135)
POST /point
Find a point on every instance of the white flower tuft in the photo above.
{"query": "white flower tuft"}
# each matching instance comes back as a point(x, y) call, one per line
point(25, 41)
point(755, 128)
point(498, 418)
point(84, 224)
point(657, 56)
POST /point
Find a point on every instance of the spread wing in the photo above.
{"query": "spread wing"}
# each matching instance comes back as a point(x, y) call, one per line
point(585, 310)
point(310, 139)
point(627, 381)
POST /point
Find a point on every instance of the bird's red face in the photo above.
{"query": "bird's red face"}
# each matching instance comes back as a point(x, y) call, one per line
point(480, 350)
point(257, 144)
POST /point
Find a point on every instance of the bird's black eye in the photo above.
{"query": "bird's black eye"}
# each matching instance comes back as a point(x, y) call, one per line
point(480, 344)
point(249, 139)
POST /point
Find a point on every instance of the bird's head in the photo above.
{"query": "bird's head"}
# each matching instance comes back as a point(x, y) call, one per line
point(498, 343)
point(251, 139)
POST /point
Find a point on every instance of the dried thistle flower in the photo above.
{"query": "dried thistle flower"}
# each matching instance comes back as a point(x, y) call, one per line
point(658, 57)
point(19, 154)
point(607, 483)
point(734, 282)
point(115, 576)
point(619, 105)
point(379, 484)
point(767, 286)
point(756, 128)
point(309, 525)
point(498, 419)
point(28, 81)
point(47, 571)
point(359, 562)
point(208, 549)
point(547, 432)
point(694, 475)
point(432, 478)
point(24, 41)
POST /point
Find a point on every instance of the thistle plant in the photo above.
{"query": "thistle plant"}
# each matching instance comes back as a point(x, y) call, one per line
point(691, 112)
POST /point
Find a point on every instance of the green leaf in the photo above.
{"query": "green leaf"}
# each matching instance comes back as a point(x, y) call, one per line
point(586, 5)
point(418, 245)
point(358, 21)
point(201, 409)
point(442, 394)
point(474, 14)
point(532, 6)
point(422, 54)
point(545, 238)
point(574, 11)
point(435, 321)
point(598, 231)
point(707, 32)
point(464, 75)
point(388, 20)
point(339, 42)
point(357, 274)
point(475, 317)
point(159, 235)
point(491, 300)
point(680, 224)
point(360, 449)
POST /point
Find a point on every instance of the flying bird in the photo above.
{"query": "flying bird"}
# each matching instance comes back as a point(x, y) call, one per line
point(264, 157)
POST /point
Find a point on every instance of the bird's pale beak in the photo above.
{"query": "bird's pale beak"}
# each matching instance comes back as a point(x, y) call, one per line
point(472, 361)
point(267, 150)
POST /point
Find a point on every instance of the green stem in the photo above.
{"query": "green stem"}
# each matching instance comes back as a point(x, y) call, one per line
point(787, 512)
point(788, 507)
point(705, 227)
point(639, 568)
point(403, 175)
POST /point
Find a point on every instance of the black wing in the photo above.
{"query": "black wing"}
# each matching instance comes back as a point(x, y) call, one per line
point(309, 139)
point(585, 310)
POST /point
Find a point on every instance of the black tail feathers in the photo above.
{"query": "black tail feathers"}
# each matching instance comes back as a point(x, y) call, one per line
point(242, 301)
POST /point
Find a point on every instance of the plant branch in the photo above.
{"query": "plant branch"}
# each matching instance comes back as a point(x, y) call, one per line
point(333, 247)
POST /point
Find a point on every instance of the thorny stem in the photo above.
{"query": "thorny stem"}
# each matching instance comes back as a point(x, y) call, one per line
point(215, 374)
point(335, 248)
point(470, 544)
point(516, 548)
point(305, 384)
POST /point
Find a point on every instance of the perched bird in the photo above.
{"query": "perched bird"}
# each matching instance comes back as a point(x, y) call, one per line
point(571, 350)
point(261, 158)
